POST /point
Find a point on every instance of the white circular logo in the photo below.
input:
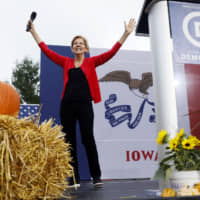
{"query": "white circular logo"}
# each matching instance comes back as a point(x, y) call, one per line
point(186, 22)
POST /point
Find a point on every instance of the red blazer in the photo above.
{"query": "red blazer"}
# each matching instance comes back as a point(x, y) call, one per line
point(88, 67)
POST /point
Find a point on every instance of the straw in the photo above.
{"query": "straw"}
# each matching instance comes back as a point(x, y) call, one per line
point(34, 159)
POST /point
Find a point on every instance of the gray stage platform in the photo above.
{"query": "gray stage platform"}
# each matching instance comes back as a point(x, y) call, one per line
point(120, 190)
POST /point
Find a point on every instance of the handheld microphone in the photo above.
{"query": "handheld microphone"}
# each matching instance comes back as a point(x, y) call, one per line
point(32, 17)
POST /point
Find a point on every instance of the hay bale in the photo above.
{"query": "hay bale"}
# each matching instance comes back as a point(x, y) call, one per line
point(34, 159)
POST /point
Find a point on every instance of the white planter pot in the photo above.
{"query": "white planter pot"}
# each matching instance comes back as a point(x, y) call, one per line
point(179, 179)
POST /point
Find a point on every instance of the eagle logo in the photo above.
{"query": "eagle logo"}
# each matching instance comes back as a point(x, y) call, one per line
point(142, 84)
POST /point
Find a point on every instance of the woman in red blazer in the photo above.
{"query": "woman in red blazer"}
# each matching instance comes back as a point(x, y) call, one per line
point(80, 88)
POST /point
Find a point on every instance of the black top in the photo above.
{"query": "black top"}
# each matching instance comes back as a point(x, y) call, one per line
point(77, 89)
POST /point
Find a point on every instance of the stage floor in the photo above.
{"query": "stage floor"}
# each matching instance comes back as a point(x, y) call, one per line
point(120, 190)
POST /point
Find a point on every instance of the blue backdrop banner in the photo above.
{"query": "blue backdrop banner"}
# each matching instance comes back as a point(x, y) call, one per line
point(185, 28)
point(124, 121)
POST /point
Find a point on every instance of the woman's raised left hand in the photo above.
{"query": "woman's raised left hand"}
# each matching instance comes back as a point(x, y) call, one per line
point(130, 26)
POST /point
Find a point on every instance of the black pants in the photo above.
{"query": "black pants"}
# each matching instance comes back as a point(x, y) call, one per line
point(83, 112)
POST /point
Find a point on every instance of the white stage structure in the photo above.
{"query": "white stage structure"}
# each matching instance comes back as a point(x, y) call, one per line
point(154, 22)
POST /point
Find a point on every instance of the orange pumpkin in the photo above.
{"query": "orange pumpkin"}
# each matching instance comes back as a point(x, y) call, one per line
point(9, 100)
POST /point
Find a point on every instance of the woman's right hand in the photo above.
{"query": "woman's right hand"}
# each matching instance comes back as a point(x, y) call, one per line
point(31, 25)
point(33, 32)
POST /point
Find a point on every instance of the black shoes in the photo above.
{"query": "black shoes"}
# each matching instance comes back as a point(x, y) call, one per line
point(71, 183)
point(97, 182)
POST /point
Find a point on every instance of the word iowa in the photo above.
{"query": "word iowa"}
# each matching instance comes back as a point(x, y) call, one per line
point(141, 155)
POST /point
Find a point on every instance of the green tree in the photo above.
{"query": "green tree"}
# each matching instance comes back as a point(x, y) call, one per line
point(26, 79)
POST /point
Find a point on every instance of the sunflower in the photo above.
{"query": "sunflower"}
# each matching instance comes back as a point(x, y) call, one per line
point(162, 137)
point(173, 143)
point(188, 143)
point(181, 153)
point(195, 140)
point(180, 134)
